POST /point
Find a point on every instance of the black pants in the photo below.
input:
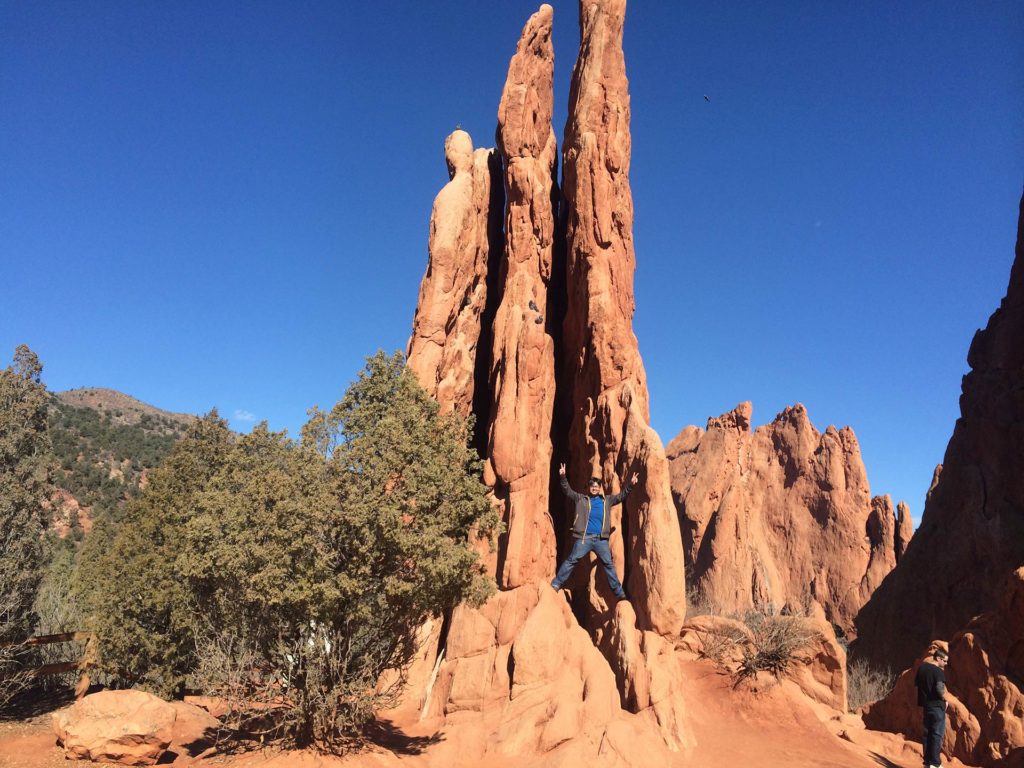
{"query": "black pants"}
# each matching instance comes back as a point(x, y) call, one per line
point(934, 730)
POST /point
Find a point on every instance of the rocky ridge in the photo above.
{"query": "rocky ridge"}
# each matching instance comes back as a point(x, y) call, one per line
point(782, 516)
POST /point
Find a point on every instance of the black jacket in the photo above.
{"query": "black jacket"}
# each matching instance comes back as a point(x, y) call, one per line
point(581, 504)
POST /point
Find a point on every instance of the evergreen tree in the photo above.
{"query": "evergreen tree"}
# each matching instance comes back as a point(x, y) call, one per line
point(294, 574)
point(24, 485)
point(128, 583)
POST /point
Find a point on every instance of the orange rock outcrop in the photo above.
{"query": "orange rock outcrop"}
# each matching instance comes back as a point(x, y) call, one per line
point(985, 700)
point(781, 516)
point(972, 530)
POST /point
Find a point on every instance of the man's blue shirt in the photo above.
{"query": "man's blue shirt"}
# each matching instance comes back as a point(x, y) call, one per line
point(596, 516)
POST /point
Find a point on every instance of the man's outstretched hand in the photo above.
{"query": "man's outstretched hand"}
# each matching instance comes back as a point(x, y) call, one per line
point(561, 470)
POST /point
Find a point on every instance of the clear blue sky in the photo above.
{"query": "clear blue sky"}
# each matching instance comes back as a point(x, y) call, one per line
point(226, 204)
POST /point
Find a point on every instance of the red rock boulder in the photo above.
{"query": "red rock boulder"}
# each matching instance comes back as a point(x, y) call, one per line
point(124, 727)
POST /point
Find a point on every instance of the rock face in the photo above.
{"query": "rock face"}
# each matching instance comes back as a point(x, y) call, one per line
point(522, 669)
point(974, 516)
point(985, 702)
point(781, 515)
point(127, 727)
point(522, 376)
point(604, 378)
point(554, 296)
point(464, 224)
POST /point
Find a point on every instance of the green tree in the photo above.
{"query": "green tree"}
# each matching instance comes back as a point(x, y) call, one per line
point(24, 485)
point(295, 574)
point(127, 580)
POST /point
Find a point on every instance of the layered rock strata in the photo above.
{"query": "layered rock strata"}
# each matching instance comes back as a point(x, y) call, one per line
point(985, 700)
point(781, 516)
point(972, 530)
point(522, 379)
point(465, 232)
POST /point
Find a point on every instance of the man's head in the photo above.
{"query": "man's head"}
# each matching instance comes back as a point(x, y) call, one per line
point(594, 486)
point(940, 658)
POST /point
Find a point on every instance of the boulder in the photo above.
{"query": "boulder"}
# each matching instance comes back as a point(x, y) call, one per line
point(125, 727)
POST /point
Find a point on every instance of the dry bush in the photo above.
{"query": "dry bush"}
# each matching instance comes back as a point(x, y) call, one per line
point(776, 645)
point(697, 603)
point(866, 683)
point(721, 646)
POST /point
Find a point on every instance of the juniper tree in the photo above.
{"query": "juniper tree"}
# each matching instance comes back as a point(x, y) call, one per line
point(24, 486)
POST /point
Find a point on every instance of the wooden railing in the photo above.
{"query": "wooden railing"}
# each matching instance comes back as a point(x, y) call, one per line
point(84, 665)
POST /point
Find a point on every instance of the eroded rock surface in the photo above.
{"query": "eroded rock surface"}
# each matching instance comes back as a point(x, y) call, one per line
point(781, 516)
point(522, 376)
point(449, 318)
point(523, 670)
point(972, 530)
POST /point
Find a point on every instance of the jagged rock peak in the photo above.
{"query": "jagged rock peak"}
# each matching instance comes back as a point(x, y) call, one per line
point(781, 515)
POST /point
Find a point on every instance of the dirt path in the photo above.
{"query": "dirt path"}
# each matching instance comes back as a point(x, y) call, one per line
point(731, 728)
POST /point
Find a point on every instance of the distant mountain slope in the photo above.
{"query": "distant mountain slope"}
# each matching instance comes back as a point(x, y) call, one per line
point(104, 442)
point(122, 408)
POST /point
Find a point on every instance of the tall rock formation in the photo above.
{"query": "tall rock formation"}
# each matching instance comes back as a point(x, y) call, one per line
point(604, 380)
point(465, 232)
point(522, 376)
point(972, 531)
point(781, 515)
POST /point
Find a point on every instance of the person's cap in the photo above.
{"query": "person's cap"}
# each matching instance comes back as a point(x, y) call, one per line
point(940, 654)
point(595, 481)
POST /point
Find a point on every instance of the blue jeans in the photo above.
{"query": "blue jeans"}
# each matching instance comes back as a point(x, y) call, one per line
point(934, 730)
point(580, 549)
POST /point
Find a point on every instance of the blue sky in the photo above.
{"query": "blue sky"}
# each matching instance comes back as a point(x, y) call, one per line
point(226, 204)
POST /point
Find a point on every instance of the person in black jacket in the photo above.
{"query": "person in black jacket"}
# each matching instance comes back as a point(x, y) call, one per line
point(931, 697)
point(592, 524)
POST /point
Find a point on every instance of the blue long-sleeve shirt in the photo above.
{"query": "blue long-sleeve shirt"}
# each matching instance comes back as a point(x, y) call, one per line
point(596, 519)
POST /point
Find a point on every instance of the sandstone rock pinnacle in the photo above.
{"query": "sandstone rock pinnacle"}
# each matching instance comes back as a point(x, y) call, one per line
point(604, 379)
point(522, 377)
point(449, 316)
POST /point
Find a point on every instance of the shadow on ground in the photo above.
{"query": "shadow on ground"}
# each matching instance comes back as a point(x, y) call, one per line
point(884, 761)
point(36, 702)
point(387, 735)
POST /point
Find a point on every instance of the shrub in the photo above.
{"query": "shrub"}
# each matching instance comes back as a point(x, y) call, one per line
point(866, 683)
point(762, 640)
point(777, 641)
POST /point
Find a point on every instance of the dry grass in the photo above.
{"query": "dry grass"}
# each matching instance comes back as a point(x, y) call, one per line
point(866, 684)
